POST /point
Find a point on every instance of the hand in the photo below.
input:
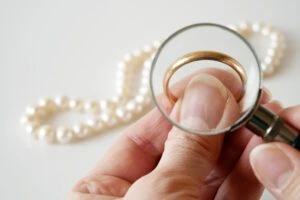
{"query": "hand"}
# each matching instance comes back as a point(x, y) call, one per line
point(277, 165)
point(152, 160)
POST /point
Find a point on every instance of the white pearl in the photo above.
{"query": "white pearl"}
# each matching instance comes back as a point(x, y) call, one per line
point(143, 90)
point(108, 119)
point(121, 92)
point(275, 45)
point(119, 83)
point(114, 101)
point(64, 135)
point(24, 120)
point(76, 104)
point(47, 104)
point(271, 52)
point(266, 30)
point(147, 49)
point(156, 44)
point(62, 102)
point(140, 99)
point(275, 36)
point(267, 68)
point(28, 119)
point(120, 75)
point(123, 115)
point(148, 64)
point(130, 106)
point(145, 81)
point(121, 66)
point(36, 111)
point(95, 124)
point(46, 133)
point(244, 28)
point(92, 106)
point(137, 53)
point(127, 58)
point(256, 27)
point(32, 127)
point(145, 72)
point(30, 110)
point(81, 131)
point(268, 60)
point(107, 105)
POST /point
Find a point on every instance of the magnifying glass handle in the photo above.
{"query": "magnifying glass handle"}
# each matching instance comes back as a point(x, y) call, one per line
point(271, 127)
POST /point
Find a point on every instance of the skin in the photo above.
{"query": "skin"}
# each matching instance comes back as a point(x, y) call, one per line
point(153, 160)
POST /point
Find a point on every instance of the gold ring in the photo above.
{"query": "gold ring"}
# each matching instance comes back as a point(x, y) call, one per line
point(202, 55)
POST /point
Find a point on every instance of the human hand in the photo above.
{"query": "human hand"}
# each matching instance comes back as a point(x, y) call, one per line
point(277, 165)
point(152, 160)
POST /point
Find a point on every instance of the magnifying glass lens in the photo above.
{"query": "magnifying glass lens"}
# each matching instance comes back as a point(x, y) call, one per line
point(191, 50)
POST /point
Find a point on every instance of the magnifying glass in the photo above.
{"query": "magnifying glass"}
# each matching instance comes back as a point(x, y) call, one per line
point(203, 45)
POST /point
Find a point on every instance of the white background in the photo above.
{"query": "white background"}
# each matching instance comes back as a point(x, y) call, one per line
point(71, 47)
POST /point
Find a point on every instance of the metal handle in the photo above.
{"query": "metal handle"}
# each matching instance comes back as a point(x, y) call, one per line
point(271, 127)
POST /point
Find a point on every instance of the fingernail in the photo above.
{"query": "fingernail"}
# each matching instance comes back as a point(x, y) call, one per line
point(203, 103)
point(271, 165)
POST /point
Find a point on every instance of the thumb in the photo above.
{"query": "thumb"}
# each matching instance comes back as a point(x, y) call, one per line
point(277, 166)
point(206, 104)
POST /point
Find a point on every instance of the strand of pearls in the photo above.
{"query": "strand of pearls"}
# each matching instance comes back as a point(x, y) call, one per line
point(132, 93)
point(132, 99)
point(277, 43)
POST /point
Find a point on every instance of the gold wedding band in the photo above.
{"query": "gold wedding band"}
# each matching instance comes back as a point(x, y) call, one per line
point(197, 56)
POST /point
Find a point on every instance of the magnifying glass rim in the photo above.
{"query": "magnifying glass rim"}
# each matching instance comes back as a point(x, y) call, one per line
point(244, 118)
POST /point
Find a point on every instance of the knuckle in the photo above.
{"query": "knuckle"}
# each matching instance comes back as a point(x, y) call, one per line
point(106, 185)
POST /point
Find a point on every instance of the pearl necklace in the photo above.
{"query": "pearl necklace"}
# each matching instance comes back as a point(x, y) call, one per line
point(132, 94)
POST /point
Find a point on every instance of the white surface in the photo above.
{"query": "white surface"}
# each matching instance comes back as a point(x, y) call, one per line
point(71, 47)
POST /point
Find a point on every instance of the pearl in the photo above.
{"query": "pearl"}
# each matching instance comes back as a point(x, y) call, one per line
point(256, 27)
point(266, 30)
point(123, 115)
point(95, 124)
point(130, 106)
point(156, 44)
point(137, 53)
point(271, 52)
point(127, 58)
point(62, 102)
point(145, 72)
point(139, 99)
point(143, 90)
point(267, 68)
point(121, 66)
point(147, 64)
point(81, 131)
point(268, 60)
point(46, 133)
point(275, 36)
point(244, 28)
point(32, 127)
point(92, 106)
point(120, 75)
point(76, 104)
point(30, 110)
point(145, 81)
point(28, 119)
point(107, 105)
point(147, 49)
point(35, 111)
point(64, 135)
